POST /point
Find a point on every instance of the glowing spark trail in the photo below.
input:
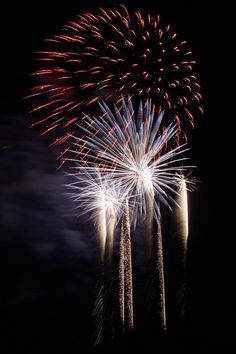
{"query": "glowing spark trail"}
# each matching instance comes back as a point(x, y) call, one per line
point(109, 53)
point(179, 233)
point(122, 283)
point(101, 221)
point(155, 255)
point(179, 220)
point(160, 278)
point(109, 239)
point(148, 222)
point(181, 216)
point(126, 281)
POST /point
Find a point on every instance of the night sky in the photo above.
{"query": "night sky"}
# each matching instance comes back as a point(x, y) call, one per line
point(48, 268)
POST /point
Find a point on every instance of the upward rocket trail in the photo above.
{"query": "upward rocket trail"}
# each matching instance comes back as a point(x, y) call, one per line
point(125, 274)
point(181, 217)
point(158, 247)
point(155, 255)
point(179, 233)
point(101, 223)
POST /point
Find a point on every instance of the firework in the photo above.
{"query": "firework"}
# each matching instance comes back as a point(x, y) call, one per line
point(125, 273)
point(102, 199)
point(109, 53)
point(159, 273)
point(179, 233)
point(130, 146)
point(99, 196)
point(180, 217)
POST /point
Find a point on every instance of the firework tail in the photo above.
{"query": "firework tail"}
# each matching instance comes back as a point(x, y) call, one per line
point(105, 225)
point(110, 229)
point(157, 305)
point(101, 226)
point(148, 221)
point(180, 216)
point(159, 277)
point(128, 269)
point(125, 274)
point(99, 307)
point(122, 282)
point(179, 234)
point(110, 301)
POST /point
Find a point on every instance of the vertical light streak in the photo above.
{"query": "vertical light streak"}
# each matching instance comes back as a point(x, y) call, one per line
point(101, 223)
point(108, 283)
point(125, 273)
point(181, 216)
point(122, 281)
point(160, 277)
point(179, 232)
point(110, 229)
point(148, 221)
point(179, 224)
point(128, 268)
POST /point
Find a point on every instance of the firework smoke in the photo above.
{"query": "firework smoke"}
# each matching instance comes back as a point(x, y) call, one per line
point(109, 53)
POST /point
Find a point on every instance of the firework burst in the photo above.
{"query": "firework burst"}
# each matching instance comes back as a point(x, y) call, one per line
point(100, 197)
point(109, 53)
point(103, 199)
point(131, 147)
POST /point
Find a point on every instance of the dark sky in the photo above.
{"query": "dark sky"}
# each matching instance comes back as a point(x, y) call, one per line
point(48, 270)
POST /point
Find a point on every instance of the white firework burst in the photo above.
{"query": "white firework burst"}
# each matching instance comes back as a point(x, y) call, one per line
point(93, 190)
point(100, 197)
point(130, 146)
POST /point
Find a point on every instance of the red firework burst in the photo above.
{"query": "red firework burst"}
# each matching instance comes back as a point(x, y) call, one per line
point(108, 54)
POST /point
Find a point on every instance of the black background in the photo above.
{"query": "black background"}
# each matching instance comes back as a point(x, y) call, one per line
point(48, 273)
